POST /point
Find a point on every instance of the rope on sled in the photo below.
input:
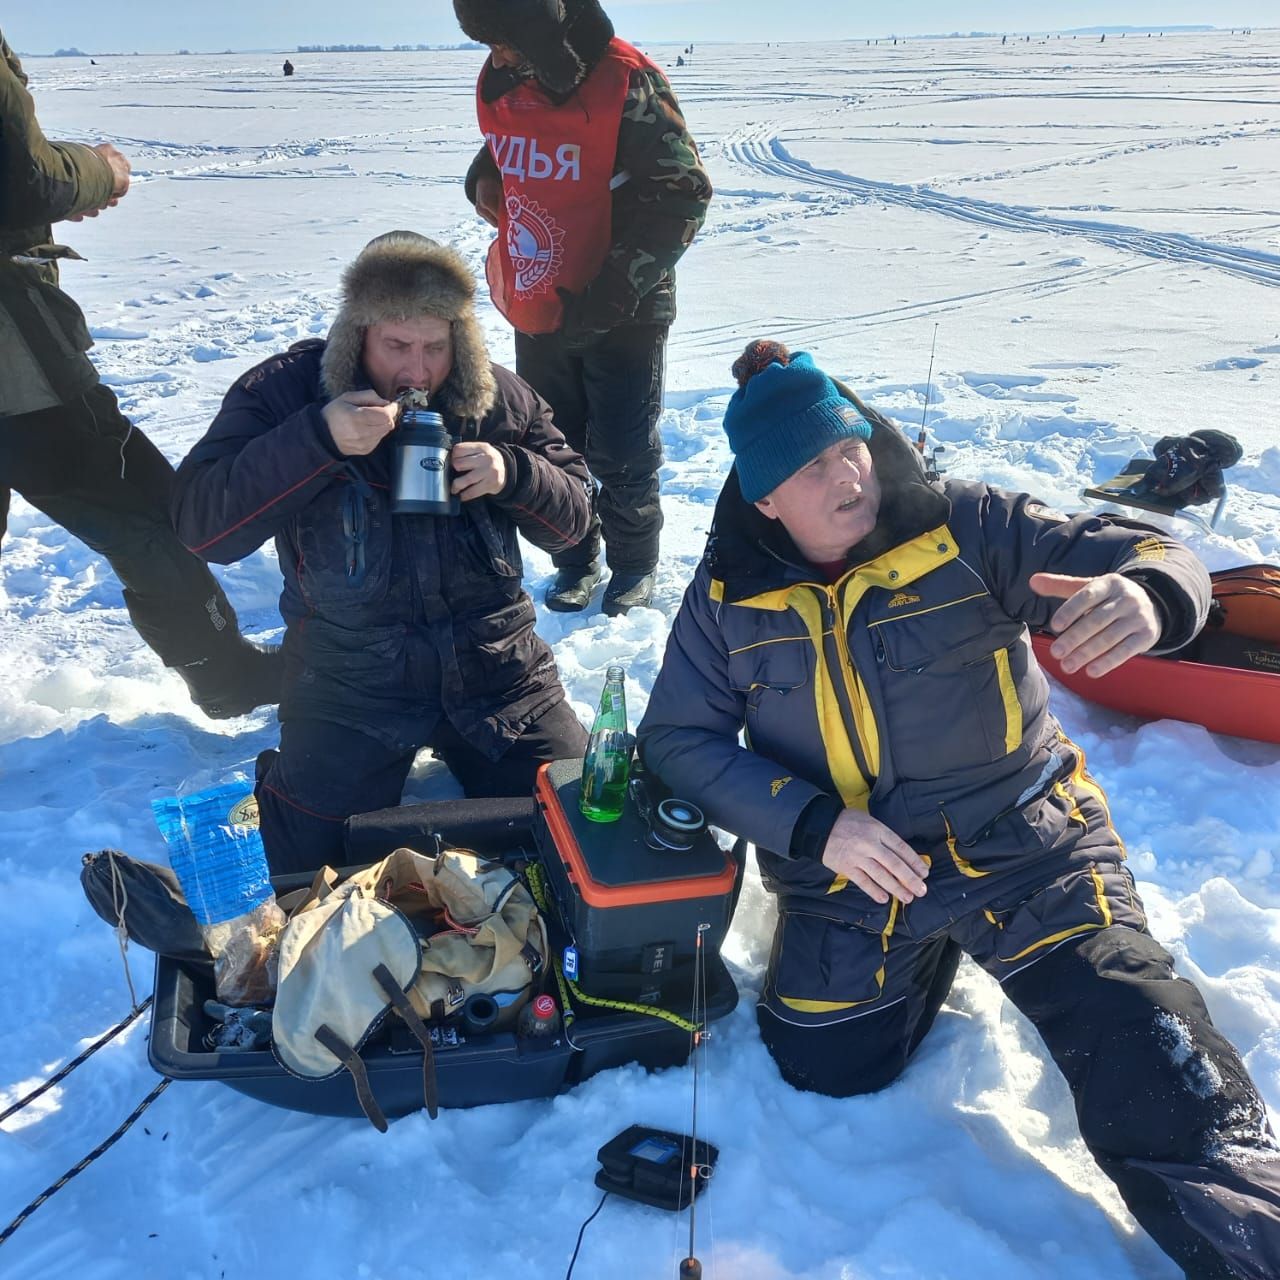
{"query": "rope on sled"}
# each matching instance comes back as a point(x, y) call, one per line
point(120, 901)
point(138, 1011)
point(538, 887)
point(83, 1164)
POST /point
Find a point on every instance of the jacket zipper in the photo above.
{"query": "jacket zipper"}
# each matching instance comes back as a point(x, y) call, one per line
point(845, 686)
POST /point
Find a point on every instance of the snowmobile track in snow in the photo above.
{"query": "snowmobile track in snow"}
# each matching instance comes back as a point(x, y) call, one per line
point(771, 157)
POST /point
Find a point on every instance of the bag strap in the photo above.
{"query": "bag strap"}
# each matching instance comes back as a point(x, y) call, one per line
point(354, 1064)
point(400, 1002)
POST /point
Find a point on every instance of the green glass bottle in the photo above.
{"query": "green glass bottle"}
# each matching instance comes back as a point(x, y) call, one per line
point(608, 759)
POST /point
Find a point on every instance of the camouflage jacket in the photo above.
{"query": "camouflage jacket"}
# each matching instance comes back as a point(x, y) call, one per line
point(656, 212)
point(43, 337)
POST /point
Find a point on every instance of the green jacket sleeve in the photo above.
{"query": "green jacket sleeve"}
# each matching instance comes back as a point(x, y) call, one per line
point(657, 209)
point(41, 181)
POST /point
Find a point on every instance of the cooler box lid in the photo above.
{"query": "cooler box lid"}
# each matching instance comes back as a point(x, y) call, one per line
point(611, 864)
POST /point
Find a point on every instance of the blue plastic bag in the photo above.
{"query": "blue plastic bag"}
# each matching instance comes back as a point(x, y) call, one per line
point(216, 851)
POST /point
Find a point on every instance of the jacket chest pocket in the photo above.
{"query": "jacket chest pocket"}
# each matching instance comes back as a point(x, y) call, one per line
point(345, 541)
point(950, 676)
point(484, 547)
point(770, 675)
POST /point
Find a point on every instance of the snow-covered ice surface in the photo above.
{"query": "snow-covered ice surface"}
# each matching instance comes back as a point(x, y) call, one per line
point(1094, 230)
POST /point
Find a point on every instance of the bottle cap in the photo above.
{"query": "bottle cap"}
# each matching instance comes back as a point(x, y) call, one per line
point(544, 1007)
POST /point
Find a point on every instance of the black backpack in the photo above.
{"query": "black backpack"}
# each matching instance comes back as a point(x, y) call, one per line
point(1188, 469)
point(1243, 629)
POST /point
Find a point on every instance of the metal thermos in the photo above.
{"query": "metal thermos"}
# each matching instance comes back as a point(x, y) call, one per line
point(421, 473)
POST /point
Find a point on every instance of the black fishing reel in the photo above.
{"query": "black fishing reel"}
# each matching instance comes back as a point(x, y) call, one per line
point(673, 824)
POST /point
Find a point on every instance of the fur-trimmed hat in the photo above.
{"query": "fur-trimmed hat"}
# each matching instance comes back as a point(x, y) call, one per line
point(560, 39)
point(402, 276)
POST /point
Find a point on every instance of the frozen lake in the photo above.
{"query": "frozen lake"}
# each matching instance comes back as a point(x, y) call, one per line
point(1094, 231)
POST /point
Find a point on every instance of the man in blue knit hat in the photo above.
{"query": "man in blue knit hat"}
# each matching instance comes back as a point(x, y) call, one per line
point(864, 630)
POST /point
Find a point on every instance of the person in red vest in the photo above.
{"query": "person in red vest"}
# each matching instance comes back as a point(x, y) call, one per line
point(596, 189)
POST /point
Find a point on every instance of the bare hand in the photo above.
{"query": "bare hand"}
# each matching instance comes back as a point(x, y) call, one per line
point(120, 170)
point(1105, 621)
point(863, 850)
point(359, 421)
point(478, 468)
point(489, 198)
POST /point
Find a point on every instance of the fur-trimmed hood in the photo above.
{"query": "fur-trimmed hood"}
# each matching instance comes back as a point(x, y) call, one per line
point(561, 39)
point(400, 276)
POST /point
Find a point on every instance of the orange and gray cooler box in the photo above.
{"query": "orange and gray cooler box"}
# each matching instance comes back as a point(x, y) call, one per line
point(630, 913)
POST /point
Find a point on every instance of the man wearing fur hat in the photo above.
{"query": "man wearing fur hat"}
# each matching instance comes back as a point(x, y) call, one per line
point(403, 631)
point(912, 797)
point(596, 189)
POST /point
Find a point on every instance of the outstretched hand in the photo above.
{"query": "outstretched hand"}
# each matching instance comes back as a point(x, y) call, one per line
point(1105, 621)
point(869, 855)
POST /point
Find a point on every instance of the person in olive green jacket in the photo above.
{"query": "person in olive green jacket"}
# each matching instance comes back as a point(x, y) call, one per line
point(64, 444)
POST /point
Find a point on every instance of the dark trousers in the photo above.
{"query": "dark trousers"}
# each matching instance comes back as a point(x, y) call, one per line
point(88, 468)
point(1163, 1100)
point(323, 773)
point(607, 400)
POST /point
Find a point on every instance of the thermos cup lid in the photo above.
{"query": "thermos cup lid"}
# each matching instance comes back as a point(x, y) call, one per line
point(423, 426)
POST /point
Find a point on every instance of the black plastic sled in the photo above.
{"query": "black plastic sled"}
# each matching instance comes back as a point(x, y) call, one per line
point(470, 1071)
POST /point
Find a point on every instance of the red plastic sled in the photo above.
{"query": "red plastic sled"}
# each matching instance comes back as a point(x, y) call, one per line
point(1223, 699)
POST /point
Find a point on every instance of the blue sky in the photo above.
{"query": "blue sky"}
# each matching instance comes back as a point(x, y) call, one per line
point(161, 25)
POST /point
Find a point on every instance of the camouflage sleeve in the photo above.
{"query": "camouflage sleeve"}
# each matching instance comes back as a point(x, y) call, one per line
point(482, 166)
point(663, 202)
point(41, 181)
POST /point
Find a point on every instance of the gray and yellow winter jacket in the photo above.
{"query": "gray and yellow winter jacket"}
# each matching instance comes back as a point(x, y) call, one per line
point(908, 687)
point(43, 336)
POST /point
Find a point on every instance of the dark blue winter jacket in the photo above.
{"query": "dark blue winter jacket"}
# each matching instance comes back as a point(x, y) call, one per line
point(908, 687)
point(392, 621)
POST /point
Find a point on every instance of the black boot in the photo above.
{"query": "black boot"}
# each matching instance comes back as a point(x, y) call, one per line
point(572, 588)
point(199, 638)
point(232, 682)
point(627, 591)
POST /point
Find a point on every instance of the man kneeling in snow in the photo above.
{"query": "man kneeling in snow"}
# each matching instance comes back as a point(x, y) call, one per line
point(911, 797)
point(403, 631)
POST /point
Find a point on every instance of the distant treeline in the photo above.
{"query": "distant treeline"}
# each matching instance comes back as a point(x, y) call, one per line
point(377, 48)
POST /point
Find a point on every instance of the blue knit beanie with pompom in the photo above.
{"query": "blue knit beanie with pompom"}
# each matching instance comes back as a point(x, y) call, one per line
point(785, 412)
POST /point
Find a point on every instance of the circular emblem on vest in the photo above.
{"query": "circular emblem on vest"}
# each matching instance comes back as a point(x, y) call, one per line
point(533, 245)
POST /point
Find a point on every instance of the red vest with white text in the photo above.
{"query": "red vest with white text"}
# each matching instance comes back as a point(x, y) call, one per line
point(555, 225)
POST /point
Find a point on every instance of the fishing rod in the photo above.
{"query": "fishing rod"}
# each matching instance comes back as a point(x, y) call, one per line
point(690, 1267)
point(928, 387)
point(656, 1166)
point(932, 470)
